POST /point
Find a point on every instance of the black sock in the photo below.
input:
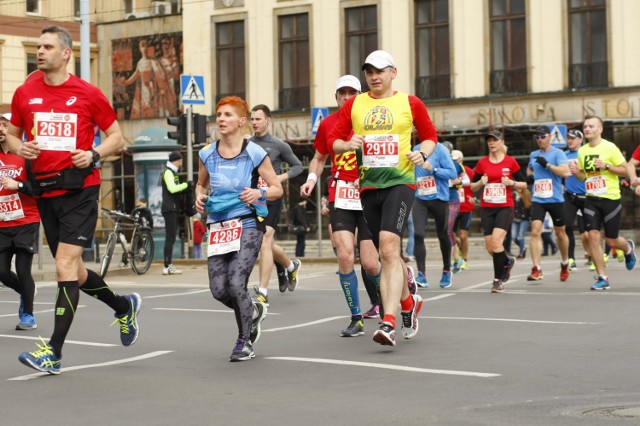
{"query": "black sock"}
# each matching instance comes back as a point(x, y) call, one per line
point(499, 260)
point(96, 287)
point(66, 303)
point(370, 286)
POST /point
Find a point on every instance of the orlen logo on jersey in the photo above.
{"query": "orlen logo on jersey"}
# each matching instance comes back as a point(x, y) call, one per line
point(378, 118)
point(72, 100)
point(9, 171)
point(67, 117)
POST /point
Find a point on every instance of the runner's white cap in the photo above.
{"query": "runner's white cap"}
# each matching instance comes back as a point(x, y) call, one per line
point(6, 115)
point(348, 81)
point(380, 59)
point(456, 155)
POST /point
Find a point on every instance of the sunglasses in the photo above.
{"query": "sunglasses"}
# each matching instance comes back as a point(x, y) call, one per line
point(538, 137)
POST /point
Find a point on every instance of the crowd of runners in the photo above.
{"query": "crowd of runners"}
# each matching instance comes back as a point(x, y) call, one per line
point(387, 165)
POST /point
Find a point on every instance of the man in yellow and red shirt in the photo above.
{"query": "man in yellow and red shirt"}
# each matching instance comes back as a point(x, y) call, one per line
point(382, 121)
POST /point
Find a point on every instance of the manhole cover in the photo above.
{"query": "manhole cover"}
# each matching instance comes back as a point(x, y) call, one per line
point(622, 411)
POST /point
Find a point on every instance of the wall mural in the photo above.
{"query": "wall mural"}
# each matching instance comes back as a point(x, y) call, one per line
point(146, 76)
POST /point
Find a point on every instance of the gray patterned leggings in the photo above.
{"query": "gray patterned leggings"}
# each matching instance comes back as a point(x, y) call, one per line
point(229, 275)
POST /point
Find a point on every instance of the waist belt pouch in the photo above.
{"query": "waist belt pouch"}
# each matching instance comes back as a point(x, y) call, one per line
point(47, 184)
point(73, 179)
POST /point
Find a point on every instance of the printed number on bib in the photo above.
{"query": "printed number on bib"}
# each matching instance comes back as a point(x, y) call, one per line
point(596, 185)
point(347, 196)
point(224, 237)
point(426, 185)
point(11, 207)
point(543, 188)
point(494, 193)
point(381, 150)
point(461, 195)
point(56, 131)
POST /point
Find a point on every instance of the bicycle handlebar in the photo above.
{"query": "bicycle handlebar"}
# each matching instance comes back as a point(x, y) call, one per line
point(119, 214)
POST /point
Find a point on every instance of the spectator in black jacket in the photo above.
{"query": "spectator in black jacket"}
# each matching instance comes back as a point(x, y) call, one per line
point(300, 226)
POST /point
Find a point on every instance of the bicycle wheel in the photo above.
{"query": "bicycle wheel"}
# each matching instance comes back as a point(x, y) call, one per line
point(108, 254)
point(142, 251)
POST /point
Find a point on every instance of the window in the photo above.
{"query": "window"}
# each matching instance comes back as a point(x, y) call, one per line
point(33, 6)
point(76, 8)
point(230, 62)
point(129, 6)
point(293, 39)
point(508, 47)
point(32, 63)
point(361, 28)
point(432, 49)
point(588, 66)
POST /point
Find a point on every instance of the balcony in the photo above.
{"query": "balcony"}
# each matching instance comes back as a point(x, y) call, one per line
point(294, 98)
point(590, 75)
point(509, 81)
point(433, 87)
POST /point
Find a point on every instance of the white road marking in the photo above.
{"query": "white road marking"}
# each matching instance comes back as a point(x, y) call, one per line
point(306, 324)
point(515, 320)
point(34, 313)
point(441, 296)
point(386, 366)
point(73, 342)
point(218, 311)
point(187, 293)
point(102, 364)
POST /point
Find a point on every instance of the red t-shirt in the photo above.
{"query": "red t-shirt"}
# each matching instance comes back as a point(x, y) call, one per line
point(75, 96)
point(466, 206)
point(346, 164)
point(16, 208)
point(198, 231)
point(494, 190)
point(636, 153)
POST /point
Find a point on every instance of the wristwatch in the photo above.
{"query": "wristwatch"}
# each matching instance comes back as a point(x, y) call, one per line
point(96, 155)
point(20, 186)
point(606, 166)
point(435, 169)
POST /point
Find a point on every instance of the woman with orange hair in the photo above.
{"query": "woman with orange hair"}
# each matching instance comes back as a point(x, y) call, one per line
point(227, 186)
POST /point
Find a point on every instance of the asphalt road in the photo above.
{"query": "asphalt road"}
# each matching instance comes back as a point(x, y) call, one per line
point(539, 354)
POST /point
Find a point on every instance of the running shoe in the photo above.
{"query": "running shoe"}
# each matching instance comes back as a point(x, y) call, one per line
point(457, 264)
point(535, 275)
point(445, 281)
point(497, 286)
point(464, 265)
point(283, 281)
point(411, 282)
point(572, 264)
point(506, 274)
point(171, 270)
point(243, 351)
point(602, 283)
point(421, 280)
point(592, 266)
point(605, 257)
point(129, 321)
point(293, 275)
point(355, 328)
point(410, 318)
point(619, 254)
point(27, 322)
point(42, 360)
point(259, 314)
point(630, 259)
point(373, 312)
point(385, 335)
point(259, 297)
point(564, 272)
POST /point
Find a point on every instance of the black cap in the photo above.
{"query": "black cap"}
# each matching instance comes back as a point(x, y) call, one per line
point(575, 133)
point(175, 156)
point(494, 134)
point(542, 130)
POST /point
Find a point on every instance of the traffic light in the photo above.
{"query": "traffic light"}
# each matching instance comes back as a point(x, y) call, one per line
point(200, 129)
point(180, 135)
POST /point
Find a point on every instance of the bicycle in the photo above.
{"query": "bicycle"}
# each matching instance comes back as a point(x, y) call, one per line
point(140, 252)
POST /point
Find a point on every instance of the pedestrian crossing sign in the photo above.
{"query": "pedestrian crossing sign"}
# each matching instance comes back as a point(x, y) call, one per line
point(559, 135)
point(317, 114)
point(192, 89)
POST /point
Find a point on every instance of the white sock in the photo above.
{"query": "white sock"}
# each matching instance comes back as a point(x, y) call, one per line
point(262, 291)
point(291, 267)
